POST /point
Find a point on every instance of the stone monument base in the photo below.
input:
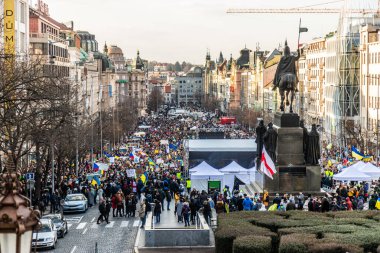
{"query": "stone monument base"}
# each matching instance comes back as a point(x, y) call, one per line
point(294, 179)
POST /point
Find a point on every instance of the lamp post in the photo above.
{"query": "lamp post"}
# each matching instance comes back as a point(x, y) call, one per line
point(17, 218)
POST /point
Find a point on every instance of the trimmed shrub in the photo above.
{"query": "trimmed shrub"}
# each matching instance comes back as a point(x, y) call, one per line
point(368, 239)
point(294, 243)
point(232, 229)
point(332, 247)
point(344, 229)
point(252, 244)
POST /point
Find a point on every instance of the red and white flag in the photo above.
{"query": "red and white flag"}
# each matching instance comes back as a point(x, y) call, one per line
point(267, 165)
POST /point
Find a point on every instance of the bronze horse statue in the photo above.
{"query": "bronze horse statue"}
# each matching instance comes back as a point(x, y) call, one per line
point(286, 78)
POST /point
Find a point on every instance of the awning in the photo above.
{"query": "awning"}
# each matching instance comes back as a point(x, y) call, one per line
point(121, 81)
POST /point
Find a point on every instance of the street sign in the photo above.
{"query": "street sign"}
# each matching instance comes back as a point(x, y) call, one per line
point(29, 176)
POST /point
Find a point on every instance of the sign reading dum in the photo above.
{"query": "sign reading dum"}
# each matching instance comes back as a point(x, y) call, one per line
point(9, 26)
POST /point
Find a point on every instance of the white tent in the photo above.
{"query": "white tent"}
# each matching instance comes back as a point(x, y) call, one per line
point(371, 170)
point(200, 178)
point(235, 170)
point(234, 167)
point(352, 173)
point(202, 166)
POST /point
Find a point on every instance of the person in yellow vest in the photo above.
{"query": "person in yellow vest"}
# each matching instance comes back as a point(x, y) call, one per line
point(188, 185)
point(179, 176)
point(266, 199)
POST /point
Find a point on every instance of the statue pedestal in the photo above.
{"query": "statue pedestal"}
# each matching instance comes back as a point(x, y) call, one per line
point(290, 139)
point(292, 175)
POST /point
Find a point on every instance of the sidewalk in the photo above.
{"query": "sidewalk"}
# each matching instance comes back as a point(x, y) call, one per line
point(169, 220)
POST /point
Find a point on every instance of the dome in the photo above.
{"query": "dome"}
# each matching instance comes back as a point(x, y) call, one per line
point(114, 50)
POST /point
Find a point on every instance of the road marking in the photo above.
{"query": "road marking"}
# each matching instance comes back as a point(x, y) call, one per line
point(124, 224)
point(74, 219)
point(84, 231)
point(73, 249)
point(69, 225)
point(110, 225)
point(92, 219)
point(81, 225)
point(136, 223)
point(95, 225)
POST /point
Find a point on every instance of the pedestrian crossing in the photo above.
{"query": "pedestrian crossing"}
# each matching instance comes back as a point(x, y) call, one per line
point(112, 224)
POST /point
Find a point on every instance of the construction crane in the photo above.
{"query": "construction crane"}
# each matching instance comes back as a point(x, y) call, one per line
point(305, 9)
point(298, 10)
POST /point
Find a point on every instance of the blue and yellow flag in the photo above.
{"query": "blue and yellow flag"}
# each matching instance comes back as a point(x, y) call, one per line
point(356, 154)
point(144, 177)
point(95, 181)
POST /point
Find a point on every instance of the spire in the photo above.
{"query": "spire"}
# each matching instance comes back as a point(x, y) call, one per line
point(286, 42)
point(208, 57)
point(105, 50)
point(221, 59)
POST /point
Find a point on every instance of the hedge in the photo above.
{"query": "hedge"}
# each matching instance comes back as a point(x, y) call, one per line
point(298, 232)
point(252, 244)
point(344, 229)
point(226, 234)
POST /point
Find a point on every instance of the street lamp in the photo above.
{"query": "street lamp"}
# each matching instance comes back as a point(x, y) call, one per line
point(17, 218)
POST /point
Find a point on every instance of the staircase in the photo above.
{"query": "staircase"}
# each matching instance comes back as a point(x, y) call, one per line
point(252, 188)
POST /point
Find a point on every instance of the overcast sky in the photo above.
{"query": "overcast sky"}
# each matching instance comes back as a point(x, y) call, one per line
point(183, 30)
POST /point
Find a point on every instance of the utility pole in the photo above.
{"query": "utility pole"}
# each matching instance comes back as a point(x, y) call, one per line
point(76, 122)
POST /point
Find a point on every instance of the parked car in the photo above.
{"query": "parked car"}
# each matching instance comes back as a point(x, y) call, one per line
point(75, 203)
point(59, 222)
point(46, 236)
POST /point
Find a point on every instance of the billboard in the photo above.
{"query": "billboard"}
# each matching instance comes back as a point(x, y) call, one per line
point(9, 27)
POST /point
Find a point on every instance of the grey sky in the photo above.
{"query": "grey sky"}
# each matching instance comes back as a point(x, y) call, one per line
point(171, 30)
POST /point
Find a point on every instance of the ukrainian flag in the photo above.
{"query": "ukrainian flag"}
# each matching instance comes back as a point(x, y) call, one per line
point(144, 177)
point(356, 154)
point(95, 181)
point(151, 162)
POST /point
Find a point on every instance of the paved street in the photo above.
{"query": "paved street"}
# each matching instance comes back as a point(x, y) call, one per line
point(118, 236)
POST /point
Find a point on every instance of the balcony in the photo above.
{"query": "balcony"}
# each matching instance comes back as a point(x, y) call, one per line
point(45, 38)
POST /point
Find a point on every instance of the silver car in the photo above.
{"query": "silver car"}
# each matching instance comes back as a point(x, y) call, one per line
point(46, 236)
point(75, 203)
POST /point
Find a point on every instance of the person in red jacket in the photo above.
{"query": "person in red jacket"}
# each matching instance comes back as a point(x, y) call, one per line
point(349, 204)
point(114, 205)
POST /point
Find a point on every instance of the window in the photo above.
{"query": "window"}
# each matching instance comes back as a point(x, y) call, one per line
point(22, 13)
point(22, 42)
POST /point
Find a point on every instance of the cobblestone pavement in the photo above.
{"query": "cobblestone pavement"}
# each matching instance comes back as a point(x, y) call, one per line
point(116, 237)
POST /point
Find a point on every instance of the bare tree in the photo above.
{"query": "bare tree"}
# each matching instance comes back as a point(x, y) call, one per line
point(155, 100)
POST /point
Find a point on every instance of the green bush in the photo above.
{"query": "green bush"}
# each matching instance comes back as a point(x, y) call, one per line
point(294, 243)
point(368, 239)
point(299, 231)
point(344, 229)
point(252, 244)
point(232, 229)
point(333, 247)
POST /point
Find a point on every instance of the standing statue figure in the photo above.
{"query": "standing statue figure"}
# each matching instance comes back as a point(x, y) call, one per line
point(305, 138)
point(313, 147)
point(260, 131)
point(286, 77)
point(270, 141)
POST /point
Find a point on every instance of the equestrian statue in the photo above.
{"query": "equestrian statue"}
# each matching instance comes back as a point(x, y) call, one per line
point(286, 78)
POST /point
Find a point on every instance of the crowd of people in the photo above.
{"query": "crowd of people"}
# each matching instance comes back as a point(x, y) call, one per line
point(147, 173)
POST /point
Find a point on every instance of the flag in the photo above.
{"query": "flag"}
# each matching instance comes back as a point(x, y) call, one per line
point(95, 181)
point(172, 146)
point(356, 154)
point(136, 159)
point(303, 30)
point(106, 154)
point(144, 177)
point(131, 156)
point(96, 167)
point(151, 162)
point(267, 165)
